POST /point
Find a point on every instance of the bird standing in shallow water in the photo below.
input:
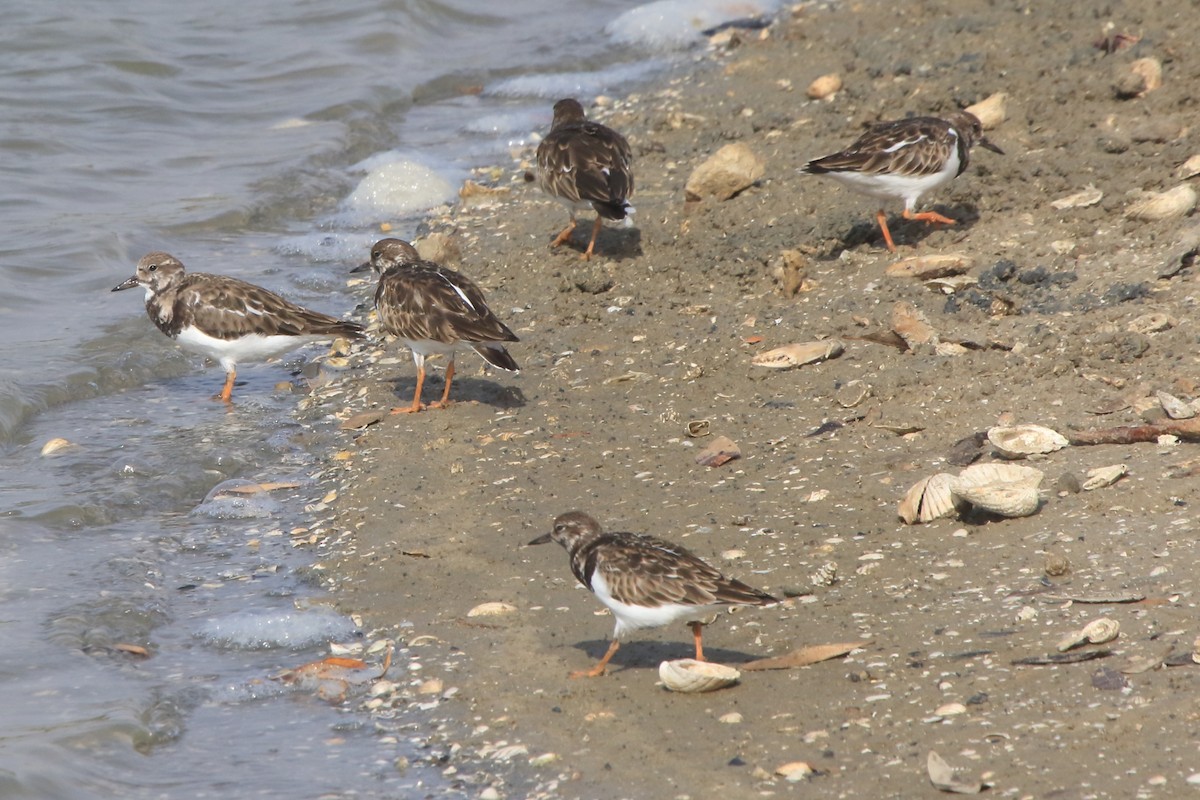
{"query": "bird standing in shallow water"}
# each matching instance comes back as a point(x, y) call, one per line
point(904, 159)
point(646, 582)
point(227, 319)
point(433, 309)
point(584, 164)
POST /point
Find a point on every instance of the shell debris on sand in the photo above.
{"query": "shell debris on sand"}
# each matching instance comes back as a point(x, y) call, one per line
point(1019, 441)
point(1100, 477)
point(929, 499)
point(825, 87)
point(927, 267)
point(1157, 206)
point(799, 354)
point(1098, 631)
point(1007, 490)
point(689, 676)
point(991, 111)
point(1087, 196)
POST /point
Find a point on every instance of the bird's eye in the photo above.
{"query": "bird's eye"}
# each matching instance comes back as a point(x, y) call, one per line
point(377, 254)
point(560, 527)
point(152, 268)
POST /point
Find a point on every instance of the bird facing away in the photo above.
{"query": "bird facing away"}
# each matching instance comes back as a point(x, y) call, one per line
point(226, 319)
point(432, 309)
point(904, 159)
point(646, 582)
point(585, 164)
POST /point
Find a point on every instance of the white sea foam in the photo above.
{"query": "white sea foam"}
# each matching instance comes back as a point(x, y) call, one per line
point(396, 186)
point(263, 630)
point(573, 84)
point(678, 24)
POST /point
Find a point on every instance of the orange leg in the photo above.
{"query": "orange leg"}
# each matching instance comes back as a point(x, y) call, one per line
point(928, 217)
point(445, 401)
point(566, 234)
point(598, 670)
point(881, 218)
point(587, 254)
point(226, 392)
point(416, 403)
point(697, 633)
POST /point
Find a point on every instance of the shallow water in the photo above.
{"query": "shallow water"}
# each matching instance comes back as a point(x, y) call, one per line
point(243, 138)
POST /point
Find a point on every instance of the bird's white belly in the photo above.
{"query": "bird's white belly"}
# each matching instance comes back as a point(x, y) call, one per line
point(427, 347)
point(631, 617)
point(254, 347)
point(908, 188)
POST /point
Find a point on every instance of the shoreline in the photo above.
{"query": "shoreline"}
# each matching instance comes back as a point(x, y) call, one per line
point(620, 353)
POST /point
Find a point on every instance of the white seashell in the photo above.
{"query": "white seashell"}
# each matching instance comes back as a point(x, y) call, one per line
point(799, 354)
point(794, 771)
point(54, 445)
point(929, 499)
point(1175, 408)
point(1154, 206)
point(1189, 168)
point(690, 676)
point(1018, 441)
point(990, 111)
point(825, 86)
point(1088, 196)
point(1098, 631)
point(491, 610)
point(1008, 490)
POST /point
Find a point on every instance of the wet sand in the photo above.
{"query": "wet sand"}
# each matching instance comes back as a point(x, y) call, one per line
point(1079, 316)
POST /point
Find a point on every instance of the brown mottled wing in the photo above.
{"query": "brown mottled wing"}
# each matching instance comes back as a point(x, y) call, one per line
point(642, 570)
point(917, 146)
point(587, 162)
point(228, 308)
point(429, 302)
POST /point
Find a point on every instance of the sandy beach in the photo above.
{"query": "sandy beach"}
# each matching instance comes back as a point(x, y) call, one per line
point(1078, 317)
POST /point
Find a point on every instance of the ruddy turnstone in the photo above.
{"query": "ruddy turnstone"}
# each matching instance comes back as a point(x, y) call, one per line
point(432, 310)
point(646, 582)
point(585, 164)
point(227, 319)
point(904, 159)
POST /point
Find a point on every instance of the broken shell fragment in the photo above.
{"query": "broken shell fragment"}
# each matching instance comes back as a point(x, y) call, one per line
point(1138, 78)
point(1100, 477)
point(697, 428)
point(798, 354)
point(1189, 168)
point(825, 86)
point(936, 265)
point(1087, 196)
point(692, 677)
point(928, 499)
point(55, 445)
point(1098, 631)
point(1018, 441)
point(1155, 206)
point(1175, 408)
point(491, 609)
point(1007, 490)
point(990, 111)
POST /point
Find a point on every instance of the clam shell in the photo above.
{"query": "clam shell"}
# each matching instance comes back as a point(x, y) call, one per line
point(1087, 196)
point(1098, 631)
point(825, 86)
point(990, 111)
point(1100, 477)
point(55, 445)
point(691, 677)
point(798, 354)
point(934, 265)
point(1018, 441)
point(1154, 206)
point(1189, 168)
point(1007, 490)
point(929, 499)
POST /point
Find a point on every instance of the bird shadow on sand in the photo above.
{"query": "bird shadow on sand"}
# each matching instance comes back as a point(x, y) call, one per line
point(465, 390)
point(909, 232)
point(615, 243)
point(648, 654)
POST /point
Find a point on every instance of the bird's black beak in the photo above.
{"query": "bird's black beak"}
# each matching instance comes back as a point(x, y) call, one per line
point(543, 539)
point(984, 143)
point(363, 267)
point(127, 284)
